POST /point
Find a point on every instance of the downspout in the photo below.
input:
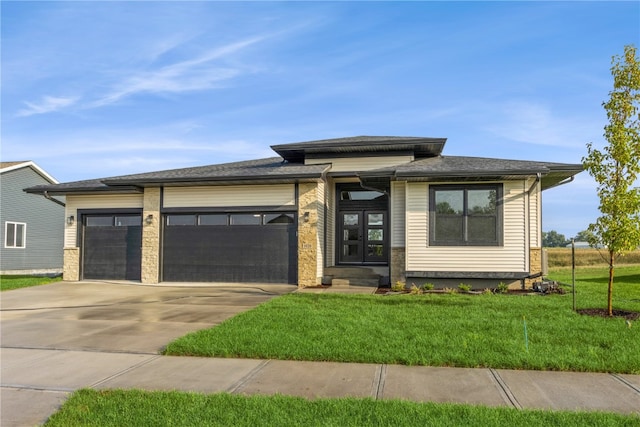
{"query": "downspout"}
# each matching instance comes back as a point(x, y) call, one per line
point(48, 197)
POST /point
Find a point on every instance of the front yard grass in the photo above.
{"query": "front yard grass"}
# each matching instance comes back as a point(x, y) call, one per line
point(8, 283)
point(437, 329)
point(142, 408)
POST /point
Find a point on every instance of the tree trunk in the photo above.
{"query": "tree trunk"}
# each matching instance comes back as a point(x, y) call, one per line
point(610, 293)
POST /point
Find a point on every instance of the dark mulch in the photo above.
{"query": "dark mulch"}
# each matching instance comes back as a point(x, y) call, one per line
point(602, 312)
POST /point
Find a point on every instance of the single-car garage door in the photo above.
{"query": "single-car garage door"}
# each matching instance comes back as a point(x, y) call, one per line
point(111, 247)
point(230, 247)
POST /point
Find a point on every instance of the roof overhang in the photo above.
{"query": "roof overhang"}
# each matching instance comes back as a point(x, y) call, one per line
point(417, 146)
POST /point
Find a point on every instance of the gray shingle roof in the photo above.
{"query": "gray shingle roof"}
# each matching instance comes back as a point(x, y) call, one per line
point(475, 168)
point(270, 170)
point(418, 146)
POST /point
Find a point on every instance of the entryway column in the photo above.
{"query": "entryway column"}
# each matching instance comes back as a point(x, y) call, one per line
point(308, 206)
point(151, 222)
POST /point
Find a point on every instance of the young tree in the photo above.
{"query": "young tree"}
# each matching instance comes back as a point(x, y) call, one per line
point(617, 167)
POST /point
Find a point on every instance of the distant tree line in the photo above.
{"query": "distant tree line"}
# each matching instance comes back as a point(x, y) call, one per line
point(553, 239)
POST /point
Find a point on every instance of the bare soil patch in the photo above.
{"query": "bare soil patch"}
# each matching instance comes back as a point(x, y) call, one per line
point(602, 312)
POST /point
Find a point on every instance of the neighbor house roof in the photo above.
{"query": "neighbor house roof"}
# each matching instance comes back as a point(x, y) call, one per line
point(15, 165)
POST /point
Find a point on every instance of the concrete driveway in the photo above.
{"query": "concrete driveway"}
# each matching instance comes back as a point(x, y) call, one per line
point(121, 316)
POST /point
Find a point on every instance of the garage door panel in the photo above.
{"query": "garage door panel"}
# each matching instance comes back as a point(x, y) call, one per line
point(112, 253)
point(230, 253)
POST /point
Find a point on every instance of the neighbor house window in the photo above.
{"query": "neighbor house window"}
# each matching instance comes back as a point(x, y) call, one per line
point(15, 234)
point(465, 215)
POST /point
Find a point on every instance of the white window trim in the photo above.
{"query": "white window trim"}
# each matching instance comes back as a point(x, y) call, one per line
point(24, 235)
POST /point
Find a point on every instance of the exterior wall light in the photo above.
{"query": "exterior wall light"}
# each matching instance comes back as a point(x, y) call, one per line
point(306, 217)
point(149, 219)
point(70, 220)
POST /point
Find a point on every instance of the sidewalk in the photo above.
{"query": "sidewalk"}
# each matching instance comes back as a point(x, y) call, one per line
point(36, 382)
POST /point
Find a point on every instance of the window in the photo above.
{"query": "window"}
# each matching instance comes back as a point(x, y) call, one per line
point(15, 234)
point(468, 215)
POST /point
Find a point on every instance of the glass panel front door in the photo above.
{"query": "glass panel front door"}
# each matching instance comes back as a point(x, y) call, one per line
point(362, 237)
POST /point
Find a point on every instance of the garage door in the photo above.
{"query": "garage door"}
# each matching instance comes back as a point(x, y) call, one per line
point(235, 247)
point(111, 247)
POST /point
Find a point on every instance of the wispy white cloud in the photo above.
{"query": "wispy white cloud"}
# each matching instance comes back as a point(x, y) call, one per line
point(200, 73)
point(48, 104)
point(535, 123)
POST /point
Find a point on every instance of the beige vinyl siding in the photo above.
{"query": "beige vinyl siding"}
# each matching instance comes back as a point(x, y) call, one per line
point(98, 201)
point(231, 195)
point(398, 216)
point(353, 164)
point(511, 257)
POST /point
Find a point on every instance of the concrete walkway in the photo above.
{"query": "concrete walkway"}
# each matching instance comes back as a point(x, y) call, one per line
point(35, 382)
point(65, 336)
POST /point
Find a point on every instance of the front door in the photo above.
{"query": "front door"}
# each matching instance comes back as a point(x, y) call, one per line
point(363, 237)
point(362, 230)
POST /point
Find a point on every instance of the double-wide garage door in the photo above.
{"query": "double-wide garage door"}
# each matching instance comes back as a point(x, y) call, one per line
point(230, 247)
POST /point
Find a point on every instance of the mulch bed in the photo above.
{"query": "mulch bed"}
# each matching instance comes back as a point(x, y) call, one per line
point(602, 312)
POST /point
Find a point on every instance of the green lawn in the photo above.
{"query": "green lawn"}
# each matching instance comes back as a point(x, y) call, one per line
point(8, 283)
point(435, 329)
point(140, 408)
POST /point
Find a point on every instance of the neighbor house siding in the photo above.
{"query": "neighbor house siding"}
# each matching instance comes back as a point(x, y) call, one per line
point(231, 195)
point(97, 201)
point(510, 257)
point(351, 164)
point(43, 218)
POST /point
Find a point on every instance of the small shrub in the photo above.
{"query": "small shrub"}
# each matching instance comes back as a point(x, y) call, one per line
point(428, 286)
point(487, 291)
point(450, 291)
point(502, 288)
point(415, 290)
point(398, 286)
point(464, 288)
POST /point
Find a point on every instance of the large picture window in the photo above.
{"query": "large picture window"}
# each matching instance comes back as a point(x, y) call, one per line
point(15, 234)
point(465, 215)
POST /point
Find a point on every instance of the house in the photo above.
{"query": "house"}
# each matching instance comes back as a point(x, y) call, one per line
point(31, 227)
point(320, 211)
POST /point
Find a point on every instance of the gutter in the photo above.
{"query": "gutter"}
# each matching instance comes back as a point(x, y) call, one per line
point(48, 197)
point(563, 182)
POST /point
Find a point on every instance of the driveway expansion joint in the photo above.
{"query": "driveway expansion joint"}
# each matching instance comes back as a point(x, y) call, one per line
point(504, 389)
point(377, 389)
point(625, 382)
point(124, 371)
point(240, 384)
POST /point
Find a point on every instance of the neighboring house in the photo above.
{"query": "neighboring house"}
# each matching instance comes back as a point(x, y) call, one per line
point(394, 205)
point(31, 227)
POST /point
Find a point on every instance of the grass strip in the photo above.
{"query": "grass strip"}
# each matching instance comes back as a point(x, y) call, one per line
point(8, 283)
point(143, 408)
point(432, 329)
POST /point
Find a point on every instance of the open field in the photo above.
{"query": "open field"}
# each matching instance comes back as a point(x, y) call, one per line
point(8, 283)
point(140, 408)
point(436, 329)
point(561, 257)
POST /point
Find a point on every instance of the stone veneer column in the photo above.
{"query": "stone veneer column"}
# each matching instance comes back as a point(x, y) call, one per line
point(397, 266)
point(151, 237)
point(308, 234)
point(535, 265)
point(71, 269)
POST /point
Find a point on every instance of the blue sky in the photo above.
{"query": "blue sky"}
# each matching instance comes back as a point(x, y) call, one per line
point(98, 89)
